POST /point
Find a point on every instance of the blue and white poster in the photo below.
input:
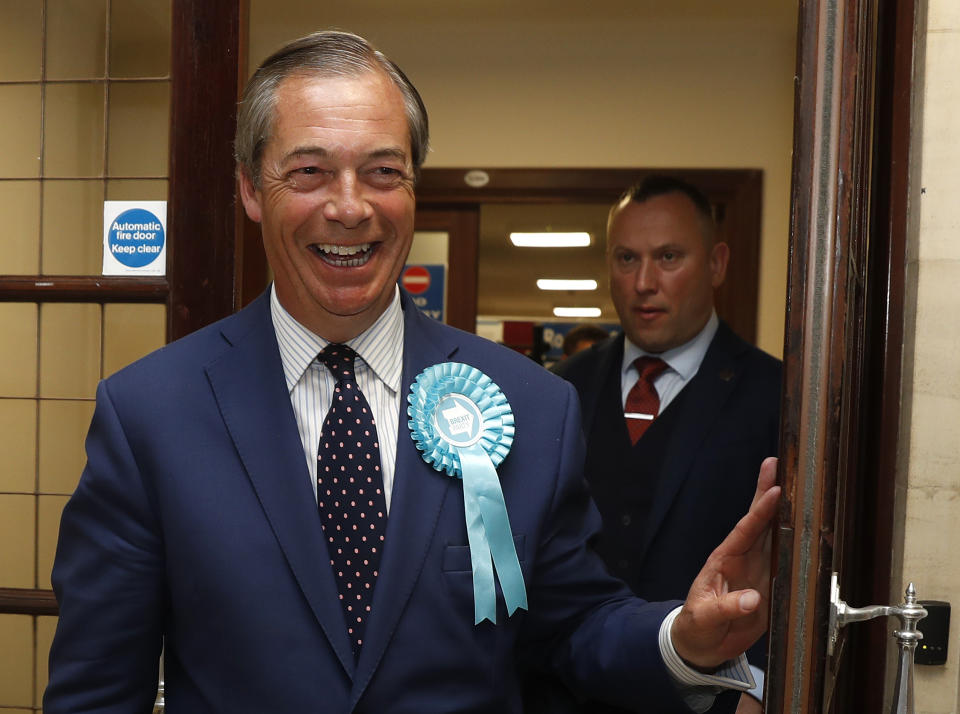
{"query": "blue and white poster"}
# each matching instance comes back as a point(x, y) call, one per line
point(134, 237)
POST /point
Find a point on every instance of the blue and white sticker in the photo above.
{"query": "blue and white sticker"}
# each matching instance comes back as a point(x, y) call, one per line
point(134, 237)
point(458, 420)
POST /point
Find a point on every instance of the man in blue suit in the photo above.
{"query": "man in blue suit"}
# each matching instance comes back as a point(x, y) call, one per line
point(209, 519)
point(719, 400)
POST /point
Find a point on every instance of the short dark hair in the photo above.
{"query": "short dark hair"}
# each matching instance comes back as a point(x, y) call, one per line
point(583, 333)
point(322, 54)
point(663, 185)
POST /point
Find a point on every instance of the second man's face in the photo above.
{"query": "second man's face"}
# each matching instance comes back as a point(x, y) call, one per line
point(335, 201)
point(662, 271)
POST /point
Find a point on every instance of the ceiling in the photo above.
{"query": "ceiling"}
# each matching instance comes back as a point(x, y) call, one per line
point(507, 274)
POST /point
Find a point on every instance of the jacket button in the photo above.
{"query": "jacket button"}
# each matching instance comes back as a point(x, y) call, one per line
point(625, 519)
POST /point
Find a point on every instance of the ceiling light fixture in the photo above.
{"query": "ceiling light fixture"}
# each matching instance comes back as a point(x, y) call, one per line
point(550, 284)
point(576, 239)
point(576, 312)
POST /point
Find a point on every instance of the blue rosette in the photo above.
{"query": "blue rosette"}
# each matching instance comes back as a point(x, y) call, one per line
point(463, 425)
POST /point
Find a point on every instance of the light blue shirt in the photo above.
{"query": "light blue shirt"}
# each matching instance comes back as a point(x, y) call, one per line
point(684, 362)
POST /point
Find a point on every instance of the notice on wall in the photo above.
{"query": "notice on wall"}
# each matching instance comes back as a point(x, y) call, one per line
point(425, 284)
point(134, 237)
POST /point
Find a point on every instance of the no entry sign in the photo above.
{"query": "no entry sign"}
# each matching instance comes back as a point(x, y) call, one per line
point(425, 284)
point(416, 279)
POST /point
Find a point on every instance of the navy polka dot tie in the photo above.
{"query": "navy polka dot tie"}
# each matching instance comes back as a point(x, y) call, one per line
point(350, 492)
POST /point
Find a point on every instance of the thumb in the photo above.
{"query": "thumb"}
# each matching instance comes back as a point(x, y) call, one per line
point(737, 604)
point(748, 600)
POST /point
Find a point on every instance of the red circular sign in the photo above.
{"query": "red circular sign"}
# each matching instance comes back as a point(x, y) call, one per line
point(416, 279)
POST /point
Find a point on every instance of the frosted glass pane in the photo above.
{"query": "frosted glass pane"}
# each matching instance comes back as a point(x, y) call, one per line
point(139, 129)
point(20, 40)
point(76, 39)
point(20, 218)
point(72, 228)
point(73, 130)
point(140, 38)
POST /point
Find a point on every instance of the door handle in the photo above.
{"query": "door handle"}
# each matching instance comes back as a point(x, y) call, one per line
point(907, 637)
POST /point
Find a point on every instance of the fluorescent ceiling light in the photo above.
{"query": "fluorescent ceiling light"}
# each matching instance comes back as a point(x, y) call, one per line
point(576, 311)
point(548, 284)
point(550, 240)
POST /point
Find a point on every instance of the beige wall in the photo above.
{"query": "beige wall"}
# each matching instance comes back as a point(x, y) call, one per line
point(609, 83)
point(929, 492)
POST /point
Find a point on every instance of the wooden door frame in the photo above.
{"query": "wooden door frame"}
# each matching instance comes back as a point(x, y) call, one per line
point(208, 70)
point(842, 347)
point(462, 225)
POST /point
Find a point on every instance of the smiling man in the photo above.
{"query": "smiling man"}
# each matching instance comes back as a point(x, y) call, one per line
point(257, 503)
point(678, 411)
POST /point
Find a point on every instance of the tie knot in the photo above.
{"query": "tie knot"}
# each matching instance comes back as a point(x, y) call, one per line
point(649, 368)
point(339, 360)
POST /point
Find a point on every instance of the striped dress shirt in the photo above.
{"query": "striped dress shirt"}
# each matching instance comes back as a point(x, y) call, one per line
point(378, 369)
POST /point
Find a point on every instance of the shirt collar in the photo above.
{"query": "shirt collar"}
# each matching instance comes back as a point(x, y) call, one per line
point(684, 360)
point(380, 346)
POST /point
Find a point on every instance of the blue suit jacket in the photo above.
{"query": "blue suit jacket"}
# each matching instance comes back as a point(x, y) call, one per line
point(195, 524)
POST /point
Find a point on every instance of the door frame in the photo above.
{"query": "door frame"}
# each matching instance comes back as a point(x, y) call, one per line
point(842, 348)
point(461, 223)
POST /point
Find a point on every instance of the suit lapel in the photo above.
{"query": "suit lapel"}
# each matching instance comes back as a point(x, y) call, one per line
point(251, 391)
point(703, 400)
point(610, 359)
point(418, 496)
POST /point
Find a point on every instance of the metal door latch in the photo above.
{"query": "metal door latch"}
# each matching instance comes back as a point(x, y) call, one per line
point(907, 637)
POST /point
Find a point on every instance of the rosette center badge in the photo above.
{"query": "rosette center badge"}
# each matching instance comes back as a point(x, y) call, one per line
point(458, 420)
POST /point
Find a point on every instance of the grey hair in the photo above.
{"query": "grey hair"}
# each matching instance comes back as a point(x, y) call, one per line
point(324, 54)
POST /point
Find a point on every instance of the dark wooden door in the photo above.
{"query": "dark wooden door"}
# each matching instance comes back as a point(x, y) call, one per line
point(842, 351)
point(462, 226)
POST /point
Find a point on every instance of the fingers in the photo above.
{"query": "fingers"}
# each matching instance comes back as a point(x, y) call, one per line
point(767, 477)
point(731, 606)
point(708, 633)
point(748, 601)
point(752, 526)
point(725, 610)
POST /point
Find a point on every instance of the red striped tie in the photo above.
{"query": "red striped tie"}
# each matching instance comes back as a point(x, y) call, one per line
point(643, 402)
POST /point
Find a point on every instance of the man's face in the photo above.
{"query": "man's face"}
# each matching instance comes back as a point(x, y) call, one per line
point(335, 201)
point(662, 270)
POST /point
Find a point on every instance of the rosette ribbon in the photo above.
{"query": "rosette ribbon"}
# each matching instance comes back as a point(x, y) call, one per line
point(463, 425)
